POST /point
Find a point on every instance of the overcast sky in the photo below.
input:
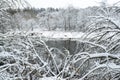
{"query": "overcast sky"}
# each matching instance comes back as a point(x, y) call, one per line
point(66, 3)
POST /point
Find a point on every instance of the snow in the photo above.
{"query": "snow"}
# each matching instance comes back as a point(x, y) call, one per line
point(58, 34)
point(114, 66)
point(52, 34)
point(4, 54)
point(104, 54)
point(51, 78)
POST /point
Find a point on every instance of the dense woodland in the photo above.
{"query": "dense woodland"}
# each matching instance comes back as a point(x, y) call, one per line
point(70, 19)
point(28, 57)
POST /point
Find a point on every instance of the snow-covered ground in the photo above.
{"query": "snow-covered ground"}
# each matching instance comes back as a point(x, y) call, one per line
point(51, 78)
point(58, 34)
point(52, 34)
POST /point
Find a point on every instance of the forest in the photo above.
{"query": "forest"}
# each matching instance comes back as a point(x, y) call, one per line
point(59, 43)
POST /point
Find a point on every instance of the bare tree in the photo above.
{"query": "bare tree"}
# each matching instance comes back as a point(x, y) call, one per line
point(6, 19)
